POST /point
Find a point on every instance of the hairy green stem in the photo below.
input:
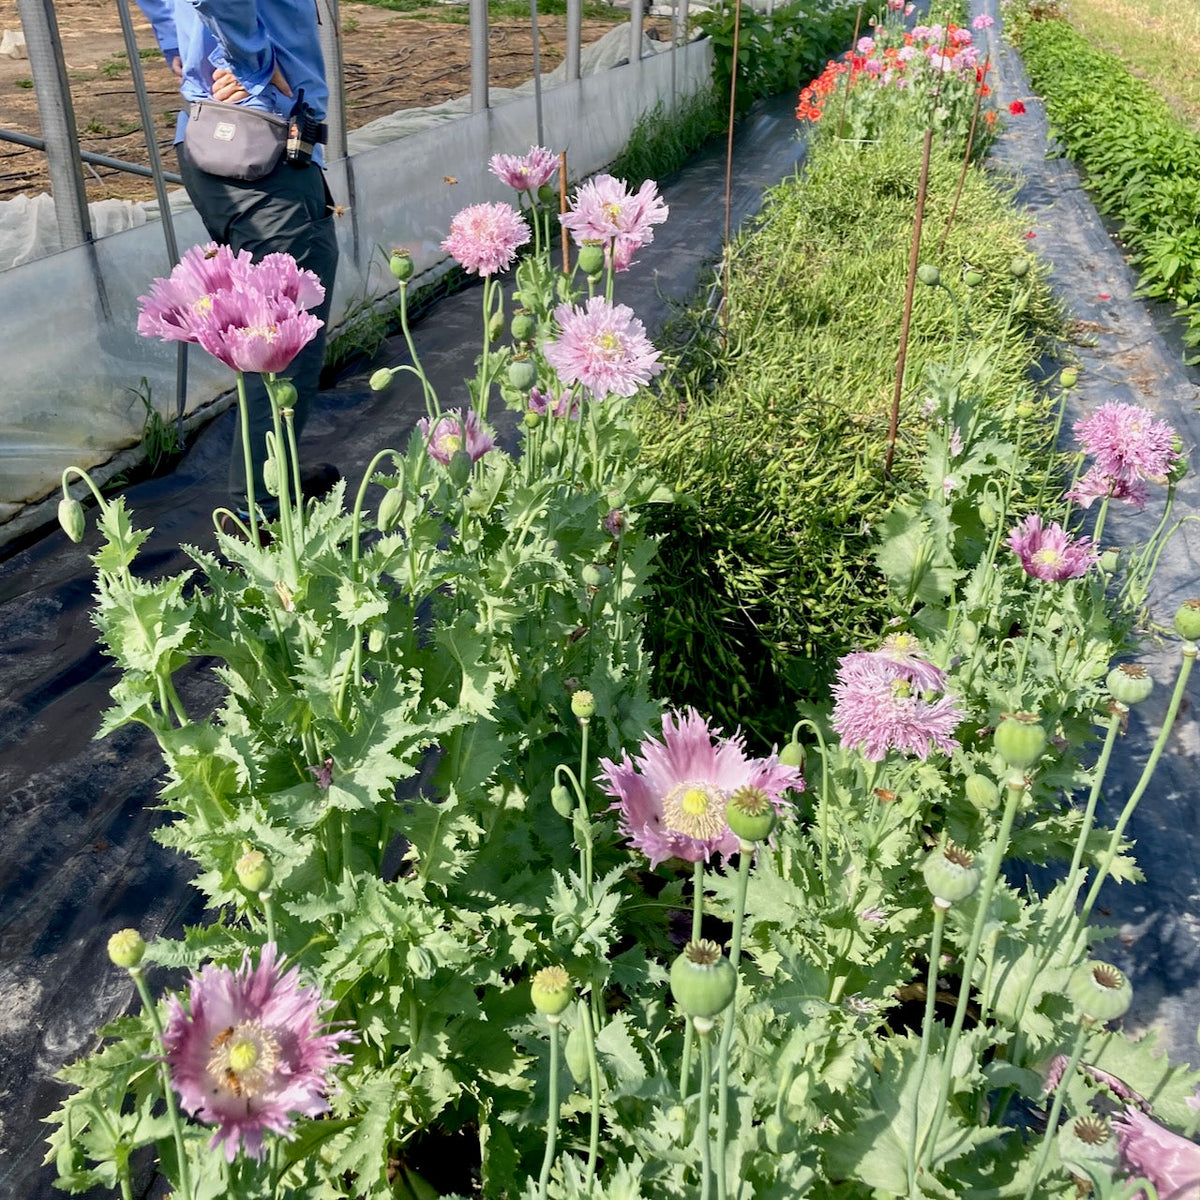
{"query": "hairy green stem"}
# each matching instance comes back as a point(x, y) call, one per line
point(704, 1030)
point(697, 914)
point(589, 1030)
point(247, 457)
point(935, 954)
point(1056, 1110)
point(552, 1115)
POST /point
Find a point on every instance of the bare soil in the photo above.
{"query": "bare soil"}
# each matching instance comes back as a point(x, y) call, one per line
point(391, 62)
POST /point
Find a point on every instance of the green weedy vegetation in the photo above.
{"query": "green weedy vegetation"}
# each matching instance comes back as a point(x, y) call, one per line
point(774, 436)
point(1141, 161)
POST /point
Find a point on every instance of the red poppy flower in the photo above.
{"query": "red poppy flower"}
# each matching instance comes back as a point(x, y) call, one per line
point(1016, 108)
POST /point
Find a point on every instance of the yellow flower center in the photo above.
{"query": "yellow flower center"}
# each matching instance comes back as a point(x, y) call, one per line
point(1047, 556)
point(612, 210)
point(243, 1058)
point(450, 443)
point(608, 343)
point(697, 810)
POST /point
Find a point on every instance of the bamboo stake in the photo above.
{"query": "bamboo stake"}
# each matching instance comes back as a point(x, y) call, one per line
point(962, 175)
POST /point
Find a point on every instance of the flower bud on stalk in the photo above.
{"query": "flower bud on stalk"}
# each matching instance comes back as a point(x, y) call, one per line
point(391, 509)
point(1020, 740)
point(982, 792)
point(562, 800)
point(1187, 620)
point(460, 468)
point(1129, 683)
point(376, 639)
point(951, 875)
point(583, 704)
point(1100, 991)
point(271, 475)
point(551, 991)
point(126, 949)
point(70, 517)
point(284, 394)
point(703, 980)
point(522, 374)
point(1110, 560)
point(495, 326)
point(792, 755)
point(929, 275)
point(380, 379)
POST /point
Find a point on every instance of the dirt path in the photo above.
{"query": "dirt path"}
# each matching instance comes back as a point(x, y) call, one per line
point(391, 62)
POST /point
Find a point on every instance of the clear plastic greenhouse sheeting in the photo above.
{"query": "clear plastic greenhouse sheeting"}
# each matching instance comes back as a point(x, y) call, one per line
point(75, 361)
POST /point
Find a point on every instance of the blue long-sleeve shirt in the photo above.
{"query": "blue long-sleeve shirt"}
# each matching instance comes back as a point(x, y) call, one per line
point(250, 38)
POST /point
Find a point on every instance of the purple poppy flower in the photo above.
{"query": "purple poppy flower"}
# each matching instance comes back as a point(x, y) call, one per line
point(250, 1050)
point(1050, 552)
point(604, 347)
point(178, 306)
point(604, 210)
point(671, 798)
point(454, 432)
point(1170, 1162)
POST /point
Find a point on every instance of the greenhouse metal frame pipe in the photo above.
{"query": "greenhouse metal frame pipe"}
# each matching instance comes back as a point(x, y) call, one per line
point(537, 70)
point(330, 28)
point(636, 12)
point(57, 117)
point(574, 37)
point(96, 160)
point(479, 55)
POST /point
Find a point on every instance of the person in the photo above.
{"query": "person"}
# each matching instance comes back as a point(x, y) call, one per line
point(263, 54)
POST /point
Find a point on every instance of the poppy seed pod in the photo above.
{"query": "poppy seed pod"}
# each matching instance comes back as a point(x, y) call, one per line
point(591, 258)
point(750, 814)
point(1069, 377)
point(929, 275)
point(703, 980)
point(950, 874)
point(1019, 267)
point(1187, 620)
point(522, 374)
point(551, 991)
point(1100, 991)
point(126, 948)
point(583, 705)
point(1129, 683)
point(401, 265)
point(254, 871)
point(522, 326)
point(1020, 740)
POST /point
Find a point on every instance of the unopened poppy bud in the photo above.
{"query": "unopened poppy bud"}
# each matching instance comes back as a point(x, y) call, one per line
point(284, 393)
point(972, 278)
point(126, 948)
point(1069, 377)
point(1129, 683)
point(969, 632)
point(575, 1054)
point(1020, 740)
point(703, 980)
point(750, 814)
point(70, 517)
point(1187, 620)
point(591, 258)
point(988, 514)
point(792, 755)
point(596, 575)
point(460, 468)
point(253, 870)
point(522, 374)
point(1019, 267)
point(522, 327)
point(391, 509)
point(495, 326)
point(1110, 560)
point(546, 194)
point(381, 379)
point(583, 705)
point(562, 800)
point(401, 265)
point(929, 275)
point(551, 454)
point(1100, 991)
point(551, 991)
point(950, 874)
point(982, 792)
point(376, 639)
point(531, 420)
point(271, 475)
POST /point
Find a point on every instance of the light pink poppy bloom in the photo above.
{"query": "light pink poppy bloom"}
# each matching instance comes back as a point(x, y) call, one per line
point(525, 172)
point(454, 432)
point(484, 238)
point(249, 1051)
point(1167, 1160)
point(604, 209)
point(1050, 553)
point(176, 307)
point(604, 347)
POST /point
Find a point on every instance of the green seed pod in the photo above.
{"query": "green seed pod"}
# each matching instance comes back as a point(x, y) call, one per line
point(71, 518)
point(1019, 267)
point(1110, 561)
point(1069, 377)
point(1129, 683)
point(380, 379)
point(792, 755)
point(1020, 740)
point(982, 792)
point(391, 509)
point(522, 326)
point(284, 393)
point(591, 258)
point(401, 265)
point(1087, 1142)
point(1025, 409)
point(950, 874)
point(750, 814)
point(703, 980)
point(522, 374)
point(551, 991)
point(495, 326)
point(460, 468)
point(1100, 991)
point(126, 948)
point(929, 275)
point(972, 278)
point(596, 575)
point(563, 801)
point(583, 704)
point(551, 454)
point(546, 194)
point(531, 420)
point(254, 871)
point(576, 1054)
point(1187, 620)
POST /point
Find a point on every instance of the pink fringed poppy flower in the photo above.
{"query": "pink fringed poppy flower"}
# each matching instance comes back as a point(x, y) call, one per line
point(454, 432)
point(1050, 552)
point(1130, 446)
point(604, 347)
point(1170, 1162)
point(546, 403)
point(671, 798)
point(606, 211)
point(900, 654)
point(525, 172)
point(252, 316)
point(484, 238)
point(882, 703)
point(250, 1050)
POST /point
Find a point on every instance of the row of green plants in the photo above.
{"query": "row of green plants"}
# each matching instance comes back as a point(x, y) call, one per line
point(771, 423)
point(1140, 160)
point(490, 918)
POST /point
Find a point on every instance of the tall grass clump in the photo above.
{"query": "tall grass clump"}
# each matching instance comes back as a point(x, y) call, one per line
point(773, 430)
point(665, 138)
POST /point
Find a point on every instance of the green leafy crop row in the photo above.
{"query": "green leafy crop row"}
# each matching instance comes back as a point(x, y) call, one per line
point(1142, 164)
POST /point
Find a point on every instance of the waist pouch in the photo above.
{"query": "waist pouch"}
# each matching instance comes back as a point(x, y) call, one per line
point(233, 141)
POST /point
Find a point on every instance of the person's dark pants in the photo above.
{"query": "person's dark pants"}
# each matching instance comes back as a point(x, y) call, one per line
point(287, 211)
